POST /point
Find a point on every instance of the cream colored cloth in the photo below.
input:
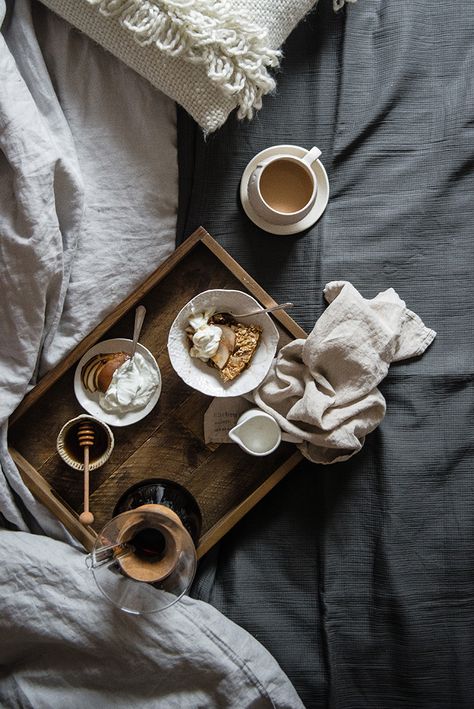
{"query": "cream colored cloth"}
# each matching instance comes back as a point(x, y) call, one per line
point(323, 390)
point(211, 56)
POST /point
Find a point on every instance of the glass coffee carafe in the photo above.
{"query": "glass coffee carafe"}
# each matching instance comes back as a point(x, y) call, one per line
point(144, 559)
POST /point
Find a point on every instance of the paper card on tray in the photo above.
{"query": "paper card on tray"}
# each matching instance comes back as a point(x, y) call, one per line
point(221, 416)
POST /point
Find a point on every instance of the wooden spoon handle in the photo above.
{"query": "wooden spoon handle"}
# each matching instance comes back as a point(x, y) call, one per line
point(86, 517)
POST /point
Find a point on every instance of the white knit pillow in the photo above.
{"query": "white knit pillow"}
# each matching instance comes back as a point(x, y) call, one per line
point(210, 56)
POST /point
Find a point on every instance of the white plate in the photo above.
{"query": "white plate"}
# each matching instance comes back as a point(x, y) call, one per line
point(201, 376)
point(322, 196)
point(90, 401)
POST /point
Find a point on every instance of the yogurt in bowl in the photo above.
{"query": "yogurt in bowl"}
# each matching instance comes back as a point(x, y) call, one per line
point(130, 391)
point(133, 385)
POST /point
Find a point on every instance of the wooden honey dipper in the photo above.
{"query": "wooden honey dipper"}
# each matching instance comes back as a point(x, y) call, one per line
point(86, 437)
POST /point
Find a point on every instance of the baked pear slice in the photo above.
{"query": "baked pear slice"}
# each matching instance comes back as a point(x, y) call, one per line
point(93, 376)
point(87, 373)
point(107, 369)
point(226, 347)
point(247, 338)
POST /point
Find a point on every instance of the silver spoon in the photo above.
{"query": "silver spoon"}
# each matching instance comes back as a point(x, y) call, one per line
point(139, 318)
point(282, 306)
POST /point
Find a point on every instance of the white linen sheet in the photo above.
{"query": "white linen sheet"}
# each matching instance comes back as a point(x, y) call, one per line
point(88, 203)
point(64, 645)
point(88, 200)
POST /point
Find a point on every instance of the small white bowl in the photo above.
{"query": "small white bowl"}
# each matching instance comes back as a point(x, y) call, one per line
point(199, 375)
point(90, 401)
point(75, 462)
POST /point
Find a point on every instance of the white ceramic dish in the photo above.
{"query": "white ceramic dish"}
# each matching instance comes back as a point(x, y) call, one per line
point(320, 204)
point(201, 376)
point(90, 401)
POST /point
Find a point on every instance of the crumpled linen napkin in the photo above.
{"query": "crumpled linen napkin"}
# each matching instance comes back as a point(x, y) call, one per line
point(323, 390)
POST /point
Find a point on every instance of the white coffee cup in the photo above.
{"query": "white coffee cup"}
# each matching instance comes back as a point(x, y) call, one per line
point(282, 189)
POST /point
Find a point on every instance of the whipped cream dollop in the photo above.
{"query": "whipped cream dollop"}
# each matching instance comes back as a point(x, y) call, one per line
point(132, 386)
point(206, 337)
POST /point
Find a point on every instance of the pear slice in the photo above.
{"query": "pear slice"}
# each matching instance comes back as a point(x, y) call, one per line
point(107, 369)
point(228, 337)
point(226, 347)
point(87, 373)
point(91, 374)
point(221, 357)
point(98, 367)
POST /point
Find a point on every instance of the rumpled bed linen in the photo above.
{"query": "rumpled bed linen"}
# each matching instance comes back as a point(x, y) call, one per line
point(358, 576)
point(88, 204)
point(65, 645)
point(88, 200)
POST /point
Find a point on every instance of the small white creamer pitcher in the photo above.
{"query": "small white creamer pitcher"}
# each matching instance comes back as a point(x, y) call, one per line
point(256, 432)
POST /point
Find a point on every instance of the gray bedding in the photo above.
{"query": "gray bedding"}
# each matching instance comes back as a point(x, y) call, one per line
point(88, 204)
point(64, 644)
point(358, 576)
point(87, 211)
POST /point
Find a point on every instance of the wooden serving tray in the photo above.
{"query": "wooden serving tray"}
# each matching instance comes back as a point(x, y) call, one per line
point(169, 442)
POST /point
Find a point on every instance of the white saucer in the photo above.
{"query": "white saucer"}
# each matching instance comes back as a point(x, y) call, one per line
point(321, 197)
point(90, 402)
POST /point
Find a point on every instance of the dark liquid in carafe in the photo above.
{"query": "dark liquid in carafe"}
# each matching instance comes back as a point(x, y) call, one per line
point(149, 543)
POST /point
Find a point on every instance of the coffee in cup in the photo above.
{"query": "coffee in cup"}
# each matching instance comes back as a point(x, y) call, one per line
point(283, 188)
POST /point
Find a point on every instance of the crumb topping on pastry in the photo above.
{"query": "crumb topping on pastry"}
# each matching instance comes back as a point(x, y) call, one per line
point(236, 347)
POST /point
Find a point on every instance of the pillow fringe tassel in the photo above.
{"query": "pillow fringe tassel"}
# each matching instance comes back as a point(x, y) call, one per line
point(208, 32)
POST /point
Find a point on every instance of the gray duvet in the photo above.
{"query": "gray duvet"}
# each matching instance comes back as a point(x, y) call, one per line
point(371, 603)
